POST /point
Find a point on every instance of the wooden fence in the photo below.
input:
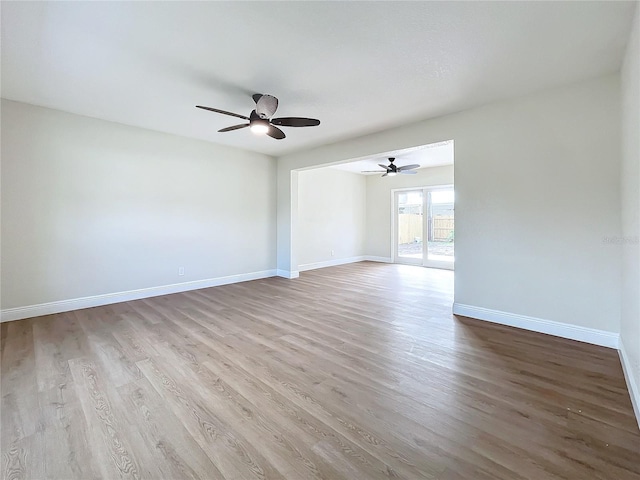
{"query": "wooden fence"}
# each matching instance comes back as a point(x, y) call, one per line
point(410, 228)
point(442, 229)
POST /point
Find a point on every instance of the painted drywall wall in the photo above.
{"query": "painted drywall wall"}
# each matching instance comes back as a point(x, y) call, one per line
point(91, 207)
point(630, 181)
point(537, 194)
point(331, 216)
point(378, 242)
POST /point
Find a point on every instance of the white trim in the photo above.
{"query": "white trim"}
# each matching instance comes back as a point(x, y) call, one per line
point(373, 258)
point(29, 311)
point(332, 263)
point(288, 274)
point(564, 330)
point(634, 391)
point(329, 263)
point(439, 264)
point(394, 221)
point(442, 186)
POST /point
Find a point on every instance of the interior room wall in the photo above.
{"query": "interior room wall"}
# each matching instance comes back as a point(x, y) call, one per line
point(91, 207)
point(537, 194)
point(630, 180)
point(378, 243)
point(331, 216)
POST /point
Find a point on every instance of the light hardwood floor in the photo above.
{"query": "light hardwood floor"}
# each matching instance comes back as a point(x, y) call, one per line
point(352, 372)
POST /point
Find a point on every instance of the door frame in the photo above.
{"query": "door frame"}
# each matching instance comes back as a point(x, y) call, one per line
point(425, 262)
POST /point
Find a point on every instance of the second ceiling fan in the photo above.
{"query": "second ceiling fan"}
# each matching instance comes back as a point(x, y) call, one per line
point(392, 169)
point(260, 121)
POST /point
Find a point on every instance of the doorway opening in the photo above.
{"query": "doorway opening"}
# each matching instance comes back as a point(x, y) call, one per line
point(423, 226)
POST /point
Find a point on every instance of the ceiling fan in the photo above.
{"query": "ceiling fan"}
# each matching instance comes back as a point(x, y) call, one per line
point(392, 170)
point(260, 121)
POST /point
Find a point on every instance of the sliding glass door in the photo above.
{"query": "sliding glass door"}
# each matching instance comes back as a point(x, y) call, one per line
point(410, 226)
point(423, 226)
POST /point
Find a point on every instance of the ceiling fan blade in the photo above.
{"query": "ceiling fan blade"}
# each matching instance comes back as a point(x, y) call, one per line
point(407, 172)
point(385, 174)
point(408, 167)
point(256, 97)
point(235, 127)
point(384, 166)
point(223, 112)
point(371, 171)
point(266, 106)
point(275, 132)
point(295, 122)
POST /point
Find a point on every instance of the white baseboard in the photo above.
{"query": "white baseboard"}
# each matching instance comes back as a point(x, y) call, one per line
point(564, 330)
point(632, 386)
point(18, 313)
point(343, 261)
point(288, 274)
point(373, 258)
point(329, 263)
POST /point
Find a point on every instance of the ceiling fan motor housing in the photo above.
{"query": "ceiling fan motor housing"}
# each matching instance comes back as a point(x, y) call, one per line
point(256, 121)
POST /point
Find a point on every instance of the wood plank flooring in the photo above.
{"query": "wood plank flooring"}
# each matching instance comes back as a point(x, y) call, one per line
point(351, 372)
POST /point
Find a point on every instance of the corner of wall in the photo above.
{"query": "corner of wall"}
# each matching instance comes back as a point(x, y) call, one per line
point(628, 368)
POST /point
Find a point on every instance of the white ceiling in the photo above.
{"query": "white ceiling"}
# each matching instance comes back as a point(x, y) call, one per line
point(359, 67)
point(434, 155)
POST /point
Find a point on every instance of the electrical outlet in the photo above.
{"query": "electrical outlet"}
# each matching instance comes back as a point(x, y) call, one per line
point(333, 253)
point(180, 270)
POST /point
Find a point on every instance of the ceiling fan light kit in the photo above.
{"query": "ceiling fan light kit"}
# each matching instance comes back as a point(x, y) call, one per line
point(392, 170)
point(260, 121)
point(259, 128)
point(257, 124)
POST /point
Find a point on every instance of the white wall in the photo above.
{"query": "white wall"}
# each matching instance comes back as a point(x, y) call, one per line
point(379, 188)
point(91, 207)
point(630, 323)
point(331, 216)
point(537, 190)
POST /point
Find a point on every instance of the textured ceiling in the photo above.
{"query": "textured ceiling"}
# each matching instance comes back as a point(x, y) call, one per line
point(359, 67)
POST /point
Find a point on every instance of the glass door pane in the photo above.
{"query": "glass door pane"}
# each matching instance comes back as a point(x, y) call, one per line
point(440, 231)
point(410, 226)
